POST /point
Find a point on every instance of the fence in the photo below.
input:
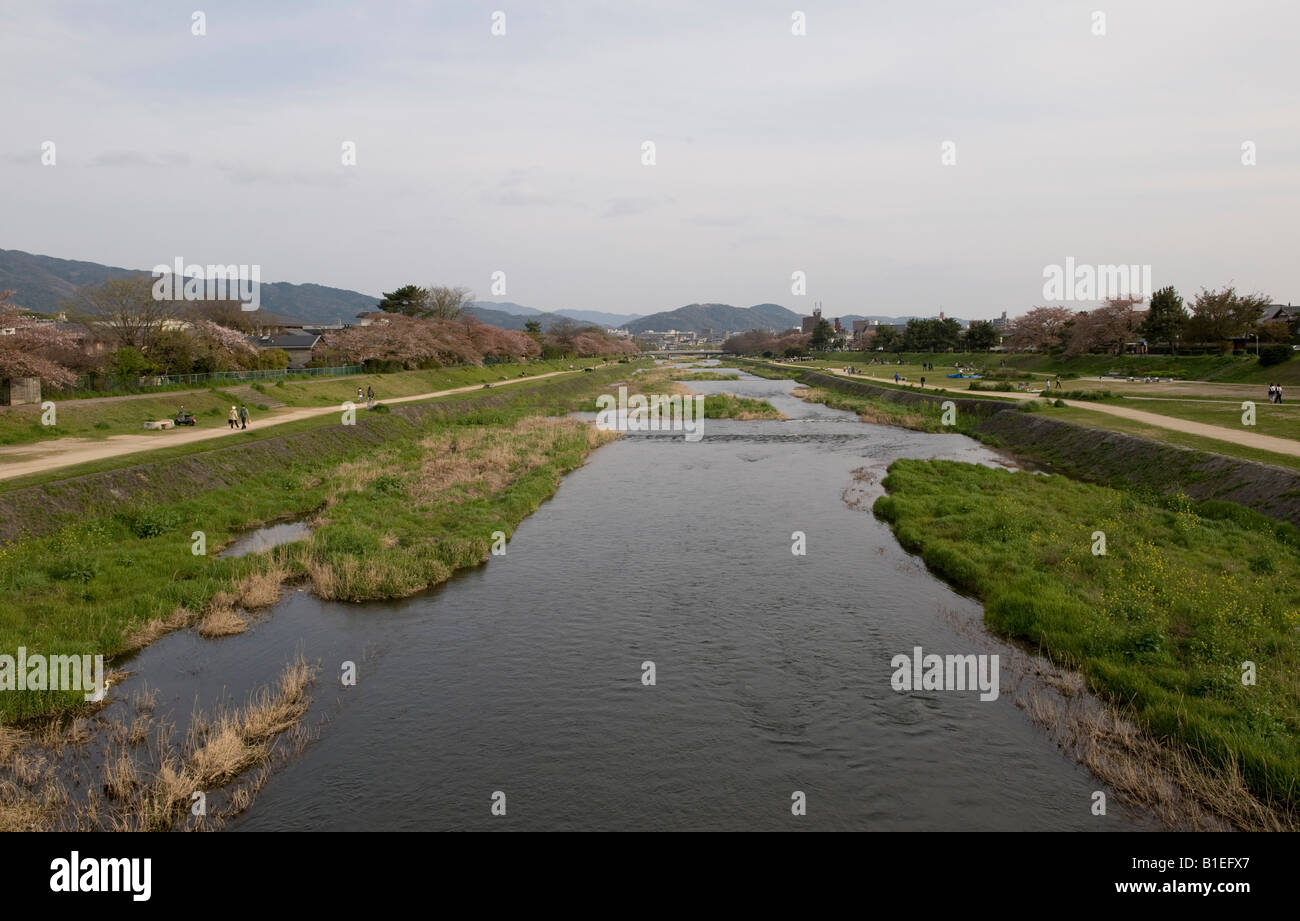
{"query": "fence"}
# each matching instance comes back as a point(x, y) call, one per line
point(149, 381)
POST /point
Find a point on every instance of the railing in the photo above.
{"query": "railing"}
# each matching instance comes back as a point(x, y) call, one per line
point(147, 381)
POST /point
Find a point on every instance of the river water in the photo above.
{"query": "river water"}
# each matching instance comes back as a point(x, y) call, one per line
point(772, 671)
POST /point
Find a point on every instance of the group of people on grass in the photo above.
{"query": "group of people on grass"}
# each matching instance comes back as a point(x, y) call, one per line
point(1275, 393)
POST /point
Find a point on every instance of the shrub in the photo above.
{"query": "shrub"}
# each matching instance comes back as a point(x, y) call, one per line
point(73, 569)
point(1274, 354)
point(152, 521)
point(388, 485)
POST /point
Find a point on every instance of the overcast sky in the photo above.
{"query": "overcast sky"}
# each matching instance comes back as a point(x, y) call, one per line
point(775, 153)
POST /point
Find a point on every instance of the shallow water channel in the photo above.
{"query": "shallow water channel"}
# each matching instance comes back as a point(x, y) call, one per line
point(772, 670)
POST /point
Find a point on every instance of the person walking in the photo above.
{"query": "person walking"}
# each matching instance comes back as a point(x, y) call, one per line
point(370, 394)
point(232, 418)
point(243, 416)
point(922, 383)
point(895, 377)
point(1278, 391)
point(1272, 393)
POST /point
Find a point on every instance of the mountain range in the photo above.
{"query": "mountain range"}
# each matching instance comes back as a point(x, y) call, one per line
point(717, 319)
point(42, 283)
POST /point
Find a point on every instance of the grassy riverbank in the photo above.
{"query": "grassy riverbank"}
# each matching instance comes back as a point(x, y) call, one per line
point(1241, 368)
point(921, 417)
point(101, 418)
point(1160, 625)
point(397, 508)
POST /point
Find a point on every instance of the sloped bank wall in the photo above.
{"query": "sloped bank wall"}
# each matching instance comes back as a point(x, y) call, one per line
point(1111, 458)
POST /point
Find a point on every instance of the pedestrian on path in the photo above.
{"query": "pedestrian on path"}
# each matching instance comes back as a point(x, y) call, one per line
point(1278, 392)
point(232, 418)
point(243, 416)
point(895, 377)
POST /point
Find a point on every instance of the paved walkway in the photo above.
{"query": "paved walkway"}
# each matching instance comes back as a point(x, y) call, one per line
point(1242, 436)
point(44, 456)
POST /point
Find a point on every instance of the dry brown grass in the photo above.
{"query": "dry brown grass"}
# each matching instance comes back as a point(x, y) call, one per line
point(261, 589)
point(144, 787)
point(121, 777)
point(222, 622)
point(1179, 790)
point(484, 461)
point(159, 627)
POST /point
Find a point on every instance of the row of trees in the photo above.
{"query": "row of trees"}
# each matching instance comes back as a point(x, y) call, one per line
point(418, 327)
point(394, 340)
point(935, 335)
point(119, 328)
point(1215, 317)
point(789, 344)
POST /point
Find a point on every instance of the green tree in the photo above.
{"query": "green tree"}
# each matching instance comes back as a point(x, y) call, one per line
point(273, 360)
point(129, 361)
point(410, 300)
point(1166, 318)
point(533, 328)
point(1218, 316)
point(822, 335)
point(980, 336)
point(888, 339)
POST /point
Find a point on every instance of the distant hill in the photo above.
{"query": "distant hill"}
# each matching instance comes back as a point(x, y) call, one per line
point(510, 307)
point(600, 318)
point(614, 320)
point(718, 318)
point(41, 282)
point(503, 320)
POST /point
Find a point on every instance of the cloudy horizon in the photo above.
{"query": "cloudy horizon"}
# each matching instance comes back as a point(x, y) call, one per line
point(774, 153)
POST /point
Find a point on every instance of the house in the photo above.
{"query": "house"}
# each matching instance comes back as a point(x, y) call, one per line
point(297, 343)
point(1280, 313)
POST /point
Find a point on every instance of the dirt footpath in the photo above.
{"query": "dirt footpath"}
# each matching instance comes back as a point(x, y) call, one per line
point(21, 460)
point(1242, 436)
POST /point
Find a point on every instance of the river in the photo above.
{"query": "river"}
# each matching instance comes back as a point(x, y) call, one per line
point(772, 671)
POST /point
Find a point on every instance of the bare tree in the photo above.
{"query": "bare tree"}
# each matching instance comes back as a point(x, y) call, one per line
point(123, 310)
point(443, 303)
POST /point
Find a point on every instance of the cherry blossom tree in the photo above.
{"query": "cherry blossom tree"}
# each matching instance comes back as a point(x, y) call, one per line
point(1042, 328)
point(32, 349)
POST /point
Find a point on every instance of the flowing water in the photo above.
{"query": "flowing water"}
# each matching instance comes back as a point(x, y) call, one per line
point(772, 671)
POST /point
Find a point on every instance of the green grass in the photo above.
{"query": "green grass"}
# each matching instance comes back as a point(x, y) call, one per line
point(1277, 420)
point(922, 417)
point(1242, 368)
point(730, 406)
point(1160, 625)
point(1155, 433)
point(702, 376)
point(102, 418)
point(85, 588)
